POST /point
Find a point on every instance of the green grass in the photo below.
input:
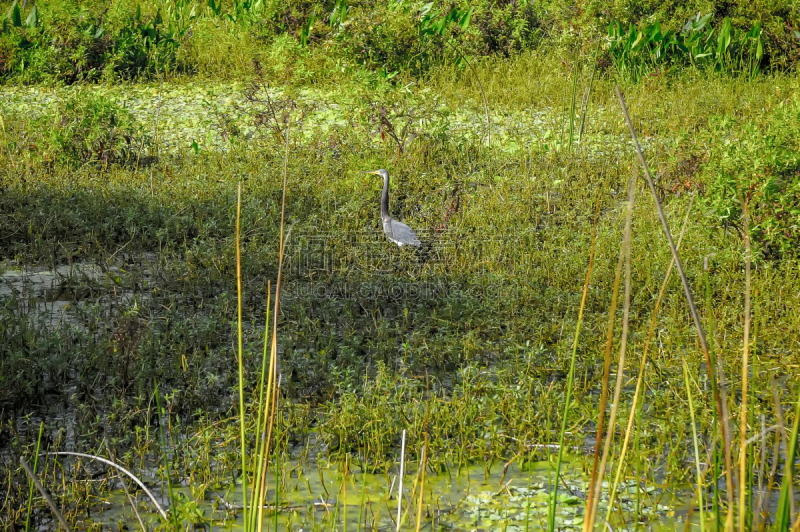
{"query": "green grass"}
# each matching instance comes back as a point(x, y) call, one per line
point(495, 336)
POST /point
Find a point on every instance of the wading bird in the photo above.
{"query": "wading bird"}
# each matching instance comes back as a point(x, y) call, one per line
point(397, 232)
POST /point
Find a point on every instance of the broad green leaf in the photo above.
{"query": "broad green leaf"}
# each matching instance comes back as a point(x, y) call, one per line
point(465, 19)
point(33, 18)
point(16, 16)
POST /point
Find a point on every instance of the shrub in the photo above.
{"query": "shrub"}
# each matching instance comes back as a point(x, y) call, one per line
point(71, 46)
point(87, 128)
point(409, 36)
point(760, 167)
point(70, 42)
point(636, 52)
point(149, 44)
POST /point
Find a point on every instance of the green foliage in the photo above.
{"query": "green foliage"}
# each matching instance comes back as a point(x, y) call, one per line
point(637, 52)
point(150, 44)
point(242, 12)
point(26, 354)
point(62, 46)
point(71, 43)
point(412, 37)
point(759, 165)
point(14, 17)
point(67, 42)
point(87, 128)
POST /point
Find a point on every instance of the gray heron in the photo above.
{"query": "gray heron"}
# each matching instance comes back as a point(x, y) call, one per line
point(396, 232)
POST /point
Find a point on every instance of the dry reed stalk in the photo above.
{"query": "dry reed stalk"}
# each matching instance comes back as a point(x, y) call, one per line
point(622, 349)
point(273, 357)
point(640, 379)
point(692, 308)
point(588, 521)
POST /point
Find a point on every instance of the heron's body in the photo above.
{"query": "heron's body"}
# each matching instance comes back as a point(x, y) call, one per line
point(397, 232)
point(400, 233)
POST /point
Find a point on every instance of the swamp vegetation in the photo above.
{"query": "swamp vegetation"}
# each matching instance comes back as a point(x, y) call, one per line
point(195, 285)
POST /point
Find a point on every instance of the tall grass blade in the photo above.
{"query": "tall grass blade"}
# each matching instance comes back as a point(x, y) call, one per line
point(762, 461)
point(35, 465)
point(424, 457)
point(344, 498)
point(400, 487)
point(715, 500)
point(696, 448)
point(585, 104)
point(588, 522)
point(164, 450)
point(273, 357)
point(574, 98)
point(551, 518)
point(278, 467)
point(240, 352)
point(259, 478)
point(50, 502)
point(361, 503)
point(783, 515)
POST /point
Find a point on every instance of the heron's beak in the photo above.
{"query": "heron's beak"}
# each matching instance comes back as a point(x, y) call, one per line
point(375, 172)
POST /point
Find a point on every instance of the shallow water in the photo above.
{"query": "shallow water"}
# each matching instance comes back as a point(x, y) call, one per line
point(472, 499)
point(58, 297)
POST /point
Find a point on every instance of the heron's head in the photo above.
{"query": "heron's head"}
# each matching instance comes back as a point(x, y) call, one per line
point(383, 173)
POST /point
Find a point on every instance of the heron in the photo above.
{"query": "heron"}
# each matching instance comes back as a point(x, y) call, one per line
point(396, 232)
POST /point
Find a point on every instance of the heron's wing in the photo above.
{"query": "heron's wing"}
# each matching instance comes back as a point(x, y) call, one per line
point(401, 234)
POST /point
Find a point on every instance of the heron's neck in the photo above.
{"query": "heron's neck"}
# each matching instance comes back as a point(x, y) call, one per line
point(385, 199)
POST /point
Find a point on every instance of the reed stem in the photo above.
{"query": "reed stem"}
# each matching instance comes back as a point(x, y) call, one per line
point(622, 348)
point(692, 308)
point(640, 379)
point(696, 448)
point(745, 355)
point(240, 335)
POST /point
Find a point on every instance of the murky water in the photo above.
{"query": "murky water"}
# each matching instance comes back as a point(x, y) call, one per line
point(191, 117)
